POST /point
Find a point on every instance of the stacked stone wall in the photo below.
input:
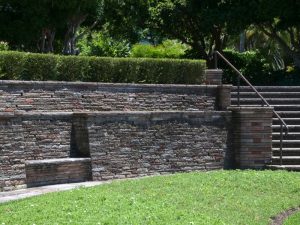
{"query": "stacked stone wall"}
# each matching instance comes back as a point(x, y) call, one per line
point(26, 96)
point(30, 136)
point(126, 145)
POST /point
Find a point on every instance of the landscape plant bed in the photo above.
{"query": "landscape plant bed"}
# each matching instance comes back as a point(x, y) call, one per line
point(219, 197)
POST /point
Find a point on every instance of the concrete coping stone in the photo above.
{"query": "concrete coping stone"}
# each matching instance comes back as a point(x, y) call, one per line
point(119, 87)
point(57, 161)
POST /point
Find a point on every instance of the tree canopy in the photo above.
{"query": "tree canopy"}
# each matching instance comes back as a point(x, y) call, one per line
point(204, 25)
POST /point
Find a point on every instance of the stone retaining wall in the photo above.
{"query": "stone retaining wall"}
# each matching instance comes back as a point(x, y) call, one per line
point(31, 136)
point(131, 144)
point(43, 96)
point(121, 144)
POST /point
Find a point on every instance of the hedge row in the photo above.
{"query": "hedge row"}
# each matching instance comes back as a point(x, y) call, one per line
point(42, 67)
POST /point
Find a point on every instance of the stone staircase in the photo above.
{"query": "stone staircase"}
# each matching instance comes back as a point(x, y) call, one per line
point(286, 102)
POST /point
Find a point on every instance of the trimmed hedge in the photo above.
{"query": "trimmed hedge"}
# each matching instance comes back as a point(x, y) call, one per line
point(31, 66)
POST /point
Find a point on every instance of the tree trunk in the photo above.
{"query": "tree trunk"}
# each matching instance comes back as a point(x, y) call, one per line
point(45, 43)
point(70, 36)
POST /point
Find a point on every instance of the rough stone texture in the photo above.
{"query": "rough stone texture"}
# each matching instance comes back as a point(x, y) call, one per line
point(134, 144)
point(77, 96)
point(30, 137)
point(57, 171)
point(252, 132)
point(213, 76)
point(223, 98)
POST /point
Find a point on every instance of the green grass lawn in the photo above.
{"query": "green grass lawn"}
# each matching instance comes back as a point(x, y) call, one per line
point(293, 219)
point(219, 197)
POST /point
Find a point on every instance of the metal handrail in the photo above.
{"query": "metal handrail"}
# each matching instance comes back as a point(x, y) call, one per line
point(218, 54)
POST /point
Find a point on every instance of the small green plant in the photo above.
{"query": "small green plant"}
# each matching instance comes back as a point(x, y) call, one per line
point(168, 49)
point(4, 46)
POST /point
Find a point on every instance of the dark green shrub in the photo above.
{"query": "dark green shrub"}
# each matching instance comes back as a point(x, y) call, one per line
point(39, 67)
point(28, 66)
point(11, 65)
point(73, 68)
point(253, 65)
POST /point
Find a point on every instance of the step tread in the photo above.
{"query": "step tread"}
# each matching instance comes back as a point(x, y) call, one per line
point(286, 149)
point(290, 133)
point(267, 98)
point(289, 167)
point(286, 141)
point(286, 157)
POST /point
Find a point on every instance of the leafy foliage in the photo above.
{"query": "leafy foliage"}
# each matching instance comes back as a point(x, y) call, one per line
point(101, 44)
point(30, 66)
point(252, 65)
point(257, 69)
point(168, 49)
point(4, 46)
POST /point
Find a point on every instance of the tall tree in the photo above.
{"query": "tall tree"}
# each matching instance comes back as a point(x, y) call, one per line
point(34, 25)
point(279, 20)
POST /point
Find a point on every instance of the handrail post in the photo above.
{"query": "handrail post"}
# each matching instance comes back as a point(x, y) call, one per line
point(216, 59)
point(281, 144)
point(239, 86)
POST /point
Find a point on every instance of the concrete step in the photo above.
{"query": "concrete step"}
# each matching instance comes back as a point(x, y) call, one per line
point(292, 128)
point(285, 107)
point(284, 167)
point(289, 136)
point(252, 94)
point(268, 88)
point(286, 151)
point(286, 143)
point(286, 160)
point(271, 101)
point(289, 114)
point(288, 121)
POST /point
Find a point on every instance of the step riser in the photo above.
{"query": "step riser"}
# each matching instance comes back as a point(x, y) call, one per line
point(288, 101)
point(291, 129)
point(288, 122)
point(268, 89)
point(286, 153)
point(266, 95)
point(286, 145)
point(286, 162)
point(287, 137)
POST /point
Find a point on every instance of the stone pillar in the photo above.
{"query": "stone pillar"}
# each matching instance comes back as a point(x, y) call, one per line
point(223, 98)
point(252, 136)
point(213, 77)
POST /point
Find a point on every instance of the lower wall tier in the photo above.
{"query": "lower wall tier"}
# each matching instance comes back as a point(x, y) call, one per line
point(120, 144)
point(126, 145)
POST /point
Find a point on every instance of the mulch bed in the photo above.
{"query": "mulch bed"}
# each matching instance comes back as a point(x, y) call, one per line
point(279, 219)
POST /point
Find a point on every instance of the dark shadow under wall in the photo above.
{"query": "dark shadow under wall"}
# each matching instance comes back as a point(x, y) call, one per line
point(79, 137)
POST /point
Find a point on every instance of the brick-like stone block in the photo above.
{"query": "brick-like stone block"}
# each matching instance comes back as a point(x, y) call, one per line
point(213, 76)
point(252, 136)
point(57, 171)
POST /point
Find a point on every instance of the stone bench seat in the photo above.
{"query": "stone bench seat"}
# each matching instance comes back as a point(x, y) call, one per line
point(57, 171)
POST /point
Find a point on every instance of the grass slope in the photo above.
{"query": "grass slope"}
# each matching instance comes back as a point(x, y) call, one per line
point(220, 197)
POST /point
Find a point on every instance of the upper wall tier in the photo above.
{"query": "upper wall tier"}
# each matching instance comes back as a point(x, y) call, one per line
point(78, 96)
